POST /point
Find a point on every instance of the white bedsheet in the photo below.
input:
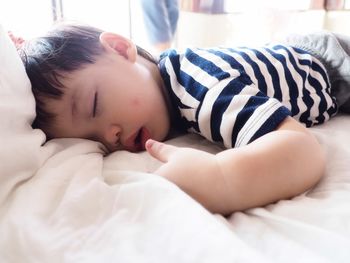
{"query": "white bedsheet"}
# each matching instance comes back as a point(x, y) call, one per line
point(64, 202)
point(312, 227)
point(315, 226)
point(79, 207)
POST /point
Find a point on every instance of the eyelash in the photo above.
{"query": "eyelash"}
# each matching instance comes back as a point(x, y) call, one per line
point(95, 107)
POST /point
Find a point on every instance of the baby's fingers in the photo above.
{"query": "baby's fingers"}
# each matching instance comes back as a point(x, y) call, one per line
point(159, 150)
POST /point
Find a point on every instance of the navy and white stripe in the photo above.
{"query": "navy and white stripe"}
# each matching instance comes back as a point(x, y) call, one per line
point(235, 96)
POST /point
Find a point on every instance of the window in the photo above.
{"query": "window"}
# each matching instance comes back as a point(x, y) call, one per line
point(111, 15)
point(30, 18)
point(26, 18)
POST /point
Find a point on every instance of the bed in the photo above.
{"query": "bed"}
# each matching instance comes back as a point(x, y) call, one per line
point(64, 201)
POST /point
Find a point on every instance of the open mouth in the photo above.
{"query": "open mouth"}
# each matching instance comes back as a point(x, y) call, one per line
point(137, 141)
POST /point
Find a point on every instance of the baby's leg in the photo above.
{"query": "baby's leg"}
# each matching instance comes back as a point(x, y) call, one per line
point(333, 51)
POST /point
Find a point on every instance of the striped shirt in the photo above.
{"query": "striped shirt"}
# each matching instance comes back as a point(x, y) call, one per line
point(234, 96)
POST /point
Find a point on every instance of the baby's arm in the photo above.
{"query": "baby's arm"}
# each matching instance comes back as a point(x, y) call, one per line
point(278, 165)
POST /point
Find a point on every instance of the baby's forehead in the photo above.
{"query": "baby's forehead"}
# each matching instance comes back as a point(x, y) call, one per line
point(85, 74)
point(71, 81)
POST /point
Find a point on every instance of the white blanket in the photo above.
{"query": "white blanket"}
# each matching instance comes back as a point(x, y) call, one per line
point(64, 202)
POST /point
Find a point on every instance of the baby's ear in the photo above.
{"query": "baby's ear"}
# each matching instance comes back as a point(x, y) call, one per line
point(114, 42)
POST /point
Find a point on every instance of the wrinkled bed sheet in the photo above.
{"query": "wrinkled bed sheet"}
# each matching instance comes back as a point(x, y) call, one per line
point(80, 207)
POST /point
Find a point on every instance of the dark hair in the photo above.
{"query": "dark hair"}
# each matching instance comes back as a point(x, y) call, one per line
point(47, 59)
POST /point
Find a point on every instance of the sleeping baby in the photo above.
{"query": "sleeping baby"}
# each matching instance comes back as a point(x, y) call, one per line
point(256, 102)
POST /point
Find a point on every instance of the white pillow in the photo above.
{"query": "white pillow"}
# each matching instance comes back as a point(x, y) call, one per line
point(19, 143)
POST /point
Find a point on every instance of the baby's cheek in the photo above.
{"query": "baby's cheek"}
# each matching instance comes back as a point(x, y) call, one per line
point(135, 102)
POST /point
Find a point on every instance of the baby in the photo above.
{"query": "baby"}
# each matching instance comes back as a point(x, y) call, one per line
point(255, 102)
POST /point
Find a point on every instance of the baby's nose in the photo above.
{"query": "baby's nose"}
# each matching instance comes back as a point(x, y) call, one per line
point(112, 135)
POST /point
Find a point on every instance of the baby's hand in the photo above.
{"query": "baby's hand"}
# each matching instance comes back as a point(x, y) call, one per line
point(194, 171)
point(180, 162)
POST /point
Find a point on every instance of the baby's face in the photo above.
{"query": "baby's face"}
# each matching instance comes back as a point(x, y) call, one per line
point(113, 101)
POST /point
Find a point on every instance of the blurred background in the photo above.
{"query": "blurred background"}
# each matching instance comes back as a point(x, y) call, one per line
point(201, 23)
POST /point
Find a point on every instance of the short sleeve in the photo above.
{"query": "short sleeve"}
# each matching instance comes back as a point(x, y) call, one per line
point(217, 95)
point(236, 114)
